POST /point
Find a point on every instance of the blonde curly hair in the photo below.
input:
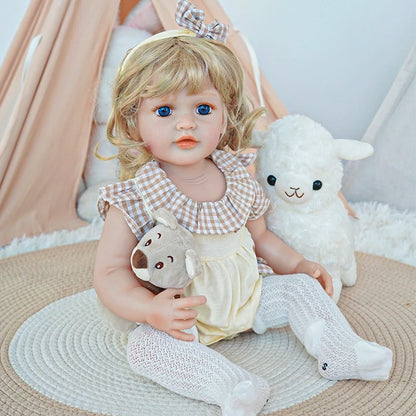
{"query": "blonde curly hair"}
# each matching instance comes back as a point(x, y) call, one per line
point(167, 66)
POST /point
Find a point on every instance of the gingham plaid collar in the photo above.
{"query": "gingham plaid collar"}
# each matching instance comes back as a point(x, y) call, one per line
point(219, 217)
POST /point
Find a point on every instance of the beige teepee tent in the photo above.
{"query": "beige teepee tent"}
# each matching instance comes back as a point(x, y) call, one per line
point(47, 93)
point(47, 86)
point(389, 176)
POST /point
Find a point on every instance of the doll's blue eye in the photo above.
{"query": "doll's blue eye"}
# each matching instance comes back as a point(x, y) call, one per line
point(164, 111)
point(204, 109)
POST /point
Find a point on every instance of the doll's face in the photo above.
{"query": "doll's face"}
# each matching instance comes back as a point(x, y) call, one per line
point(182, 129)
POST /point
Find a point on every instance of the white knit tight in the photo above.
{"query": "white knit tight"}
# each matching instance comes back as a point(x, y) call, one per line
point(196, 371)
point(318, 323)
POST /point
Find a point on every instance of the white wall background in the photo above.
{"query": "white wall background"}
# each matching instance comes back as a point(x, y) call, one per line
point(333, 60)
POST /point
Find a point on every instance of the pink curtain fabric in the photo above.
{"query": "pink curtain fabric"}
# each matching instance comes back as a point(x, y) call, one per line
point(46, 111)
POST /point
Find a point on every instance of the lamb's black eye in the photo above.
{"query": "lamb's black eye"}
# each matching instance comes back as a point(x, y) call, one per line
point(159, 265)
point(271, 180)
point(148, 242)
point(317, 185)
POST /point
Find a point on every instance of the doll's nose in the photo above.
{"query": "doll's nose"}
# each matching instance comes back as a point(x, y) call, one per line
point(185, 122)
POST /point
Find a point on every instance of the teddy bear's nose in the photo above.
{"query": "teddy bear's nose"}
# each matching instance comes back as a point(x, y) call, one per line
point(139, 260)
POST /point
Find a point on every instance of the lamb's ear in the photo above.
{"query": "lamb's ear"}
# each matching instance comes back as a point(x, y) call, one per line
point(352, 149)
point(164, 217)
point(193, 263)
point(258, 138)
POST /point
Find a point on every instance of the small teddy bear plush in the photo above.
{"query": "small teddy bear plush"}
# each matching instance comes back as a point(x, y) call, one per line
point(298, 164)
point(165, 257)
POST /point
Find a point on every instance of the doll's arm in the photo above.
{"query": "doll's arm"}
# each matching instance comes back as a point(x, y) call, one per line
point(282, 258)
point(119, 290)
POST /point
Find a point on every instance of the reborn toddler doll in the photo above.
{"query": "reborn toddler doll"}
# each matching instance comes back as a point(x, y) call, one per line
point(179, 108)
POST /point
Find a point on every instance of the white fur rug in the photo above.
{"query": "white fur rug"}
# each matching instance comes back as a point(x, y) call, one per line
point(381, 230)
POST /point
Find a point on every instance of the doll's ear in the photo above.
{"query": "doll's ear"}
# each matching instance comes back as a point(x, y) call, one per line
point(193, 263)
point(164, 217)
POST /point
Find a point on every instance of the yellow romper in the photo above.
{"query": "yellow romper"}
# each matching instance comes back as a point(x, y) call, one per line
point(231, 283)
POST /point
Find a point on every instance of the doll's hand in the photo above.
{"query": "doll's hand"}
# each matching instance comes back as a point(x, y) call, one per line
point(173, 315)
point(316, 271)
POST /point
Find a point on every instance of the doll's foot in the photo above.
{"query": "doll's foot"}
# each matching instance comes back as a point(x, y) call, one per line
point(344, 355)
point(372, 363)
point(247, 398)
point(374, 360)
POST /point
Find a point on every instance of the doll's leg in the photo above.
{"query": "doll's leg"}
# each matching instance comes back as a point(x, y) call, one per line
point(195, 371)
point(321, 327)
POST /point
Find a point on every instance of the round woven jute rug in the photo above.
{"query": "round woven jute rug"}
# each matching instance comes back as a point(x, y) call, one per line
point(58, 358)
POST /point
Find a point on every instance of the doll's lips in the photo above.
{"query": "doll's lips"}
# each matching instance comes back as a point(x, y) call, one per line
point(186, 142)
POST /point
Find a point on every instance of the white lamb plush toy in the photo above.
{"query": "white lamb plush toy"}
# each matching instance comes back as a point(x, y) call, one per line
point(298, 164)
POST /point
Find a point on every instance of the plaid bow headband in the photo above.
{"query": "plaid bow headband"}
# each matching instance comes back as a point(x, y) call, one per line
point(191, 18)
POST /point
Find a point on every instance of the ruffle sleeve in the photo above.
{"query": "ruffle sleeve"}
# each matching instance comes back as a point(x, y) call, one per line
point(124, 196)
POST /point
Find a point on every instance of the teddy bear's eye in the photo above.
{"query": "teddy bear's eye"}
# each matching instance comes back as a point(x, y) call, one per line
point(159, 265)
point(148, 242)
point(317, 185)
point(271, 180)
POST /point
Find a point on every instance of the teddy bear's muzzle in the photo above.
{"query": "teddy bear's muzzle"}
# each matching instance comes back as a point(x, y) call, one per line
point(139, 260)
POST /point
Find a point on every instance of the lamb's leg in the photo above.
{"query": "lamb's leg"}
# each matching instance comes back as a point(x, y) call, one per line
point(334, 271)
point(349, 276)
point(336, 282)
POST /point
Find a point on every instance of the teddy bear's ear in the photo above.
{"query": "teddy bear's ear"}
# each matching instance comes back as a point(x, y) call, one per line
point(164, 217)
point(258, 138)
point(193, 263)
point(352, 149)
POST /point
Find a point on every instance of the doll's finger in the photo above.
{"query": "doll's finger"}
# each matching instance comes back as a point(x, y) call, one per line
point(186, 314)
point(191, 301)
point(326, 282)
point(322, 283)
point(182, 324)
point(171, 293)
point(183, 336)
point(316, 273)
